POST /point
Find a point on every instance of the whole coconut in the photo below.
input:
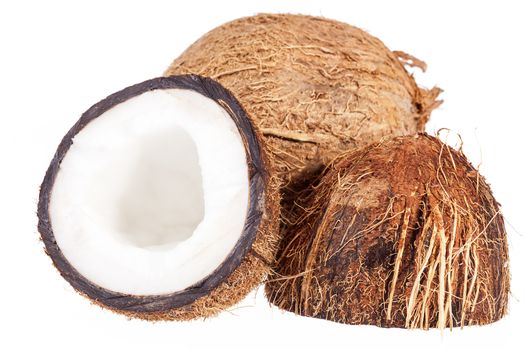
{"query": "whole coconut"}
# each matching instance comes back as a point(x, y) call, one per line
point(314, 87)
point(403, 233)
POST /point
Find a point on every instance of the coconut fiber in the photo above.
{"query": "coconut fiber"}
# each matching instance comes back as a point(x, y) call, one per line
point(402, 233)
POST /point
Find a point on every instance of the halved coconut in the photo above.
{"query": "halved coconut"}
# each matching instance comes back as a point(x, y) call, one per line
point(402, 233)
point(159, 202)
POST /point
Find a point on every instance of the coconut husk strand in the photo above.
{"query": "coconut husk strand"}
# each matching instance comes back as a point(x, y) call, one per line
point(403, 233)
point(315, 87)
point(242, 269)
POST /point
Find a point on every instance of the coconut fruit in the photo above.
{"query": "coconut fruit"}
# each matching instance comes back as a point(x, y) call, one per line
point(315, 87)
point(402, 233)
point(160, 201)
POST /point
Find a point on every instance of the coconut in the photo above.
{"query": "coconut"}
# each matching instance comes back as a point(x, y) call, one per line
point(315, 87)
point(403, 233)
point(160, 201)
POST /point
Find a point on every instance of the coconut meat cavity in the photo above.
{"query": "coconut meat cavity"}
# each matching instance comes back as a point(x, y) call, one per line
point(152, 196)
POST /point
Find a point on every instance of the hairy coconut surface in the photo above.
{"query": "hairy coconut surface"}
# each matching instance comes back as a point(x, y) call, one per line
point(160, 202)
point(315, 87)
point(403, 233)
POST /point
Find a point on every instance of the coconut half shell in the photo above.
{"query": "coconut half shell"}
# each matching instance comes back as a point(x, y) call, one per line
point(404, 233)
point(244, 267)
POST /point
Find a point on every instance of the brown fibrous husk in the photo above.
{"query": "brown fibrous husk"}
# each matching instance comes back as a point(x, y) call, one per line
point(403, 233)
point(314, 87)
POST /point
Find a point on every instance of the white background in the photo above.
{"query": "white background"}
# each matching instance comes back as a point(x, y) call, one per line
point(58, 58)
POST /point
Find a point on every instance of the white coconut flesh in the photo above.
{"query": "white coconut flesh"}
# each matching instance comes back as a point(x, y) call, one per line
point(152, 195)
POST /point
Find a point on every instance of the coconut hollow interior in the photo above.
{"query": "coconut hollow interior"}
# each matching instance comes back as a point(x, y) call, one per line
point(152, 195)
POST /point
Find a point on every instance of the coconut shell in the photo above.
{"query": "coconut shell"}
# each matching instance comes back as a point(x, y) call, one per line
point(404, 233)
point(247, 264)
point(314, 87)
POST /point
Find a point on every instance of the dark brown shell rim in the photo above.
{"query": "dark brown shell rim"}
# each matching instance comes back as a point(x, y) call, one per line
point(257, 178)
